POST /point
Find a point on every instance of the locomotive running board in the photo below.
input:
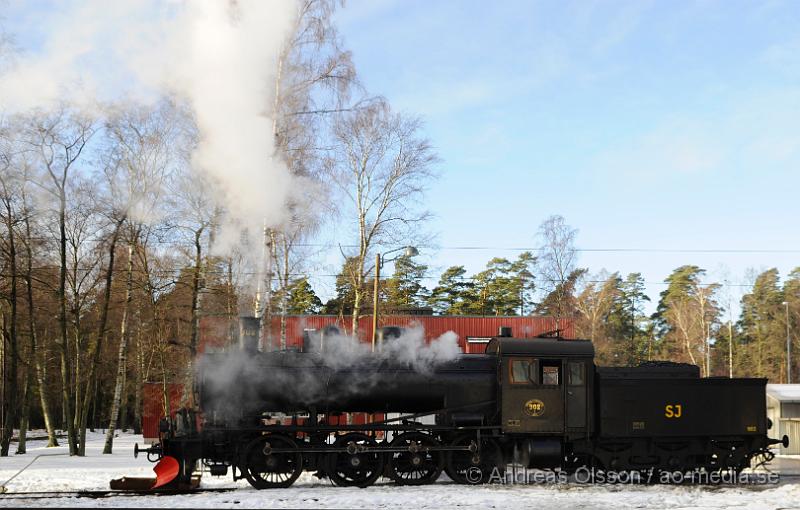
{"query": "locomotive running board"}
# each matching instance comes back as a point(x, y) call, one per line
point(363, 449)
point(144, 485)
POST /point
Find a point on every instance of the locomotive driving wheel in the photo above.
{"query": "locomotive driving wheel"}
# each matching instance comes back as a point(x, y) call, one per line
point(271, 463)
point(416, 464)
point(476, 465)
point(355, 467)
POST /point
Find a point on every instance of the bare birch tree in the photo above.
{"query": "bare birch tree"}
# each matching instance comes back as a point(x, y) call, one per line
point(594, 303)
point(381, 164)
point(691, 315)
point(314, 81)
point(196, 213)
point(39, 349)
point(556, 261)
point(142, 154)
point(10, 217)
point(57, 141)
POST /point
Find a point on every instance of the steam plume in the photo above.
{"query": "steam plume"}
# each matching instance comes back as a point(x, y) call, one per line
point(409, 349)
point(219, 57)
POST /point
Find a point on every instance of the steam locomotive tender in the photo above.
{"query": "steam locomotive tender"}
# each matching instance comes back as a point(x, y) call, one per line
point(538, 403)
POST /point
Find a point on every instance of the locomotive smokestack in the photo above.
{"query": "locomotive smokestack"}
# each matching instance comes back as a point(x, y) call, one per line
point(249, 333)
point(504, 332)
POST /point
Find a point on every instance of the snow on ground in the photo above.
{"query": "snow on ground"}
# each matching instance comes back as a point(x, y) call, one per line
point(93, 472)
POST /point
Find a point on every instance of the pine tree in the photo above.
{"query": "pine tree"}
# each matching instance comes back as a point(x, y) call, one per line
point(302, 298)
point(493, 293)
point(524, 280)
point(449, 295)
point(764, 327)
point(791, 294)
point(679, 283)
point(687, 313)
point(342, 304)
point(626, 324)
point(404, 289)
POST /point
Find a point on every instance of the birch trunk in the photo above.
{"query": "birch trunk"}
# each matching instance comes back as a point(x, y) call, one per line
point(284, 291)
point(25, 410)
point(188, 397)
point(41, 376)
point(198, 260)
point(137, 391)
point(95, 349)
point(10, 400)
point(63, 343)
point(267, 316)
point(121, 356)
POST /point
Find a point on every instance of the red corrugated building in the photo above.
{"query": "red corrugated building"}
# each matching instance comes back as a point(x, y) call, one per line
point(472, 331)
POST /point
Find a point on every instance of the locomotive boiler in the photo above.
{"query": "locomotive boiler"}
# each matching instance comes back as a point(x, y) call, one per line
point(535, 402)
point(237, 388)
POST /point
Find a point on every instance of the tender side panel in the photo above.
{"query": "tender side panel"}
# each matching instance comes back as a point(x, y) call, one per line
point(681, 407)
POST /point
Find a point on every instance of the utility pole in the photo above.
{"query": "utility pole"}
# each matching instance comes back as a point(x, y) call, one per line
point(380, 259)
point(708, 350)
point(730, 349)
point(633, 324)
point(375, 300)
point(788, 346)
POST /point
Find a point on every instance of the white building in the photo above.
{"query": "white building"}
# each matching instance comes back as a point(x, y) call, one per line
point(783, 408)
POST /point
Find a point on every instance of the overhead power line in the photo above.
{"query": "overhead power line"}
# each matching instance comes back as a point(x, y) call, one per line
point(622, 250)
point(175, 271)
point(511, 248)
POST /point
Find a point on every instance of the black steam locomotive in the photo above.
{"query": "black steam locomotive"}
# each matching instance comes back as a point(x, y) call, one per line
point(538, 403)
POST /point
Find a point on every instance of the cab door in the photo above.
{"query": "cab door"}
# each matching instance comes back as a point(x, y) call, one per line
point(576, 394)
point(532, 398)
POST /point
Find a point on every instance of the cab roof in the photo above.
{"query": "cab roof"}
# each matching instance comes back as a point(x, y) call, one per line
point(552, 347)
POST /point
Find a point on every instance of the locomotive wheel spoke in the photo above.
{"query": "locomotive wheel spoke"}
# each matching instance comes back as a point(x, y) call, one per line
point(415, 465)
point(265, 469)
point(355, 468)
point(472, 468)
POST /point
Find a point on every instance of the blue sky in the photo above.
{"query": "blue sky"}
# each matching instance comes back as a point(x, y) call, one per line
point(660, 125)
point(654, 125)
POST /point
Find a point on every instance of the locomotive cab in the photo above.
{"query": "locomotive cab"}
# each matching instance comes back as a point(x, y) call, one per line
point(544, 384)
point(545, 387)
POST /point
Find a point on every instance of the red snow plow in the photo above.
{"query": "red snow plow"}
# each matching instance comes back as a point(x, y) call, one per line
point(167, 471)
point(171, 474)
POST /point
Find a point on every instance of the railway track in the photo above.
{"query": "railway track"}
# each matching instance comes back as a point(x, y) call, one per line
point(106, 493)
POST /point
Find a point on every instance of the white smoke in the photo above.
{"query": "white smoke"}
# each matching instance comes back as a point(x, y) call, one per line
point(220, 57)
point(409, 349)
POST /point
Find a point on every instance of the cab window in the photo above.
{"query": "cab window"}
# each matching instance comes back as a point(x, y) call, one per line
point(576, 373)
point(522, 370)
point(551, 373)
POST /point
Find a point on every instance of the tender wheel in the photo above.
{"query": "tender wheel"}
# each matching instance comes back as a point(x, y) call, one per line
point(355, 467)
point(474, 466)
point(266, 468)
point(573, 462)
point(416, 464)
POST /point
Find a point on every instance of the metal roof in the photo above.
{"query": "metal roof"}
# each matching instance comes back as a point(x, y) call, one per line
point(784, 392)
point(540, 347)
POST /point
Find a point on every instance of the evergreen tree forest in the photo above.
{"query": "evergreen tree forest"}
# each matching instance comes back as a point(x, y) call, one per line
point(692, 321)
